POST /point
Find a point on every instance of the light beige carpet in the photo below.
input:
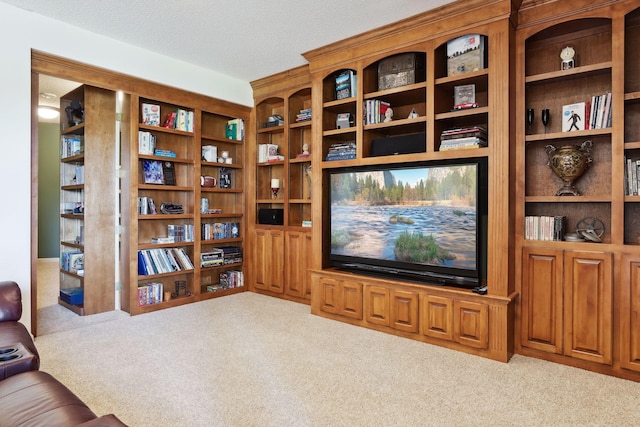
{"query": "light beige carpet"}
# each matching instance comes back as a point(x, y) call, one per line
point(252, 360)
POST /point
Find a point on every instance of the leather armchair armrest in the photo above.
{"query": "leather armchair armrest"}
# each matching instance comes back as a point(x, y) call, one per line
point(10, 302)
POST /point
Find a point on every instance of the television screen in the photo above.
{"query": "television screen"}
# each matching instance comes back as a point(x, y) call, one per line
point(414, 220)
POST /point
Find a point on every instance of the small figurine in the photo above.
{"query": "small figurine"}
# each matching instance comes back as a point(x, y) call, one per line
point(305, 149)
point(388, 115)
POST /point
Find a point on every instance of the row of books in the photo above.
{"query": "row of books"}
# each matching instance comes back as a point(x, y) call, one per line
point(235, 129)
point(220, 230)
point(72, 261)
point(268, 153)
point(162, 260)
point(374, 111)
point(463, 138)
point(631, 176)
point(146, 142)
point(228, 280)
point(71, 145)
point(221, 256)
point(146, 206)
point(180, 232)
point(342, 151)
point(544, 227)
point(304, 115)
point(150, 293)
point(594, 114)
point(78, 177)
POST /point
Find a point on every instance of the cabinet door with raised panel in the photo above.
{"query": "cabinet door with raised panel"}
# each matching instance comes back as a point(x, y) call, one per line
point(471, 323)
point(376, 305)
point(437, 317)
point(329, 295)
point(298, 254)
point(269, 260)
point(403, 312)
point(351, 299)
point(630, 313)
point(588, 306)
point(541, 325)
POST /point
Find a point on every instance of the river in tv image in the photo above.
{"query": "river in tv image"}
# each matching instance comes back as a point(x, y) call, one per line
point(372, 232)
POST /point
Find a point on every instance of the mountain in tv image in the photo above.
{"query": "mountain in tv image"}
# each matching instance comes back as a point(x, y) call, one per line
point(417, 215)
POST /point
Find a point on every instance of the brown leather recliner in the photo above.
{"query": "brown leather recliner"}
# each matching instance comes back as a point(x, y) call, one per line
point(29, 397)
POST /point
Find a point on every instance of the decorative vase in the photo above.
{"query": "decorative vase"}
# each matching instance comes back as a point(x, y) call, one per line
point(569, 163)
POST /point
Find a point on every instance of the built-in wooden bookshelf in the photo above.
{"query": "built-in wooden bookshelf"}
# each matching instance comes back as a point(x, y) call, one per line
point(280, 224)
point(423, 108)
point(87, 198)
point(578, 297)
point(208, 160)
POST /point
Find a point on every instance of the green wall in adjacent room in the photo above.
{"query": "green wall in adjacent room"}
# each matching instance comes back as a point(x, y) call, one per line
point(48, 190)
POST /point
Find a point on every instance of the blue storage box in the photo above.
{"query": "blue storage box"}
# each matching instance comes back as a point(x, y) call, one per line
point(73, 296)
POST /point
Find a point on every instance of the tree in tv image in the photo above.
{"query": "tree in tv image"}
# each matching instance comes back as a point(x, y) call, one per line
point(416, 215)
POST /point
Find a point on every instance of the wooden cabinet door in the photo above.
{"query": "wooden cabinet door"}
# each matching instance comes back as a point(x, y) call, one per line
point(588, 306)
point(630, 313)
point(351, 299)
point(298, 254)
point(403, 312)
point(471, 323)
point(437, 317)
point(329, 295)
point(269, 260)
point(541, 325)
point(376, 305)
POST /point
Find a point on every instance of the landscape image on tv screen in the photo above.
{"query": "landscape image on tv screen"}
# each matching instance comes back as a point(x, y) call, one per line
point(417, 215)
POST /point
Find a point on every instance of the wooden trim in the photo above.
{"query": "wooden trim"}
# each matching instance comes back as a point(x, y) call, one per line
point(34, 201)
point(44, 63)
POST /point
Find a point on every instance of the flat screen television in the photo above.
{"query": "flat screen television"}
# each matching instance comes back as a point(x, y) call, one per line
point(423, 222)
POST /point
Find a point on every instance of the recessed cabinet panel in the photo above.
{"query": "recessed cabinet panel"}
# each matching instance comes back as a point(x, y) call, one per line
point(470, 323)
point(329, 294)
point(376, 308)
point(630, 313)
point(438, 317)
point(588, 306)
point(542, 300)
point(404, 310)
point(351, 299)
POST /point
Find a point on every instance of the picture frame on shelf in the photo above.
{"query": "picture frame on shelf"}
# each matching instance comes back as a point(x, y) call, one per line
point(152, 172)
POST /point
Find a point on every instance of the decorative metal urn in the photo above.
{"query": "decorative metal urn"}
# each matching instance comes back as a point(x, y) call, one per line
point(569, 163)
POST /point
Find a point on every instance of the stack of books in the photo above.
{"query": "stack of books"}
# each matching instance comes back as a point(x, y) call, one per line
point(231, 254)
point(211, 258)
point(231, 279)
point(180, 232)
point(342, 151)
point(304, 115)
point(463, 138)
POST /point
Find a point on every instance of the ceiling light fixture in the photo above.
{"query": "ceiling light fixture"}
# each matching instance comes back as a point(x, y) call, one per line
point(48, 95)
point(45, 112)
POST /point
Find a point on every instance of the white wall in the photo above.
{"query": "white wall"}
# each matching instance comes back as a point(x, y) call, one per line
point(21, 31)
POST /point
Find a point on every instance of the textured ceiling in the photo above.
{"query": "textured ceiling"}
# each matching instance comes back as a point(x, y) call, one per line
point(246, 39)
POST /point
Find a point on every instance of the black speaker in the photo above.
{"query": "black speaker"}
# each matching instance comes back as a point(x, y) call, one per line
point(401, 144)
point(271, 216)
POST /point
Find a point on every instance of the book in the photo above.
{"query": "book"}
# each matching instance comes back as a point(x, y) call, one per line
point(152, 172)
point(573, 116)
point(465, 54)
point(150, 114)
point(168, 173)
point(345, 84)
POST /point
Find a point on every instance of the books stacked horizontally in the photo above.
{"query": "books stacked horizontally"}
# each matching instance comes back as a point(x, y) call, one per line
point(221, 256)
point(149, 293)
point(544, 227)
point(374, 111)
point(342, 151)
point(304, 115)
point(162, 260)
point(463, 138)
point(231, 254)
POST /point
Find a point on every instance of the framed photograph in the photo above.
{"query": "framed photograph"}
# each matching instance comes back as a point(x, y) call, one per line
point(152, 172)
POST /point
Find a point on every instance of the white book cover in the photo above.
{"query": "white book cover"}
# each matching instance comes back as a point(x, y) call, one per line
point(573, 117)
